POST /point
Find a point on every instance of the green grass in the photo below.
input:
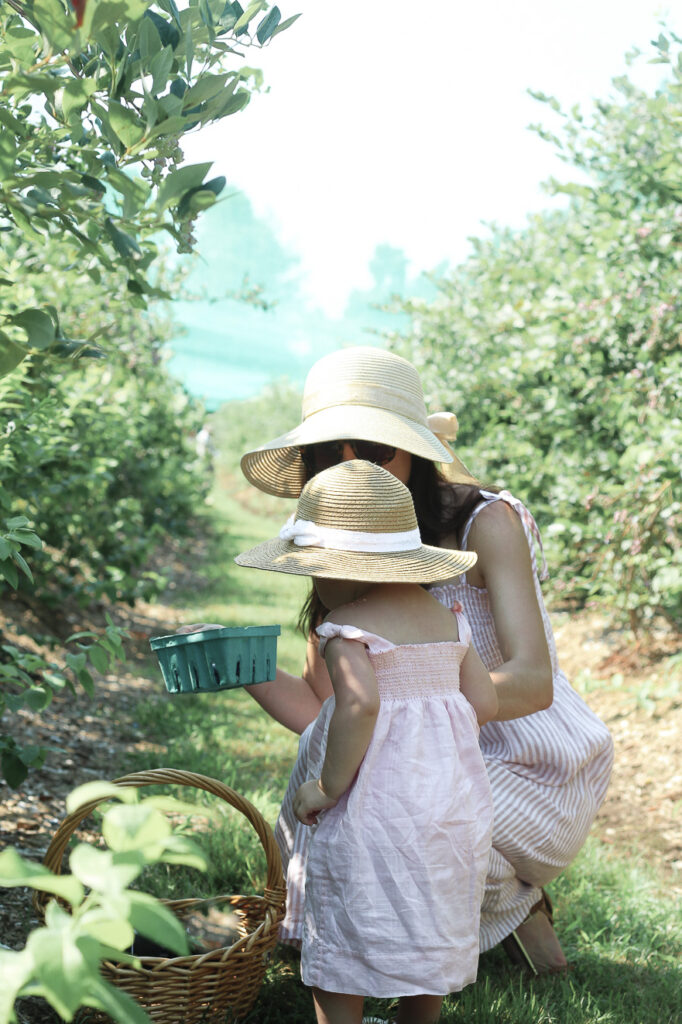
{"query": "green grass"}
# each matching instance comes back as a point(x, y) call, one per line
point(620, 928)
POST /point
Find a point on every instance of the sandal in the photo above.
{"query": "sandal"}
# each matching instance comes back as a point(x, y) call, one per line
point(517, 952)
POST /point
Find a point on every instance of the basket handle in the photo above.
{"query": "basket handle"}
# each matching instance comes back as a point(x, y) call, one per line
point(172, 776)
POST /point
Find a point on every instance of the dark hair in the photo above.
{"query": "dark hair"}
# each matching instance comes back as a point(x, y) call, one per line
point(442, 509)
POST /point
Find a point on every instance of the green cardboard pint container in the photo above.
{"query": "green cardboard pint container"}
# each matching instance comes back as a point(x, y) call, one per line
point(217, 659)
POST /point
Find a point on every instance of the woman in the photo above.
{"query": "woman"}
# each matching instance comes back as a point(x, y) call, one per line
point(548, 756)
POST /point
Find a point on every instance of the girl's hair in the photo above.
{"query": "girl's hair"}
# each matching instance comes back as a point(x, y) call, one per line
point(442, 509)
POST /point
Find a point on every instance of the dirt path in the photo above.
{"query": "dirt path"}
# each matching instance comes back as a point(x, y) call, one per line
point(634, 689)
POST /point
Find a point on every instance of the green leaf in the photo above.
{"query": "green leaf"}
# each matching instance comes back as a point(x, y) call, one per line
point(32, 756)
point(180, 181)
point(59, 966)
point(54, 23)
point(201, 198)
point(11, 354)
point(86, 681)
point(16, 522)
point(98, 869)
point(112, 14)
point(8, 154)
point(125, 123)
point(250, 13)
point(134, 828)
point(108, 929)
point(23, 565)
point(76, 95)
point(14, 871)
point(134, 189)
point(206, 88)
point(234, 103)
point(117, 1003)
point(123, 244)
point(284, 25)
point(16, 970)
point(9, 572)
point(99, 659)
point(182, 850)
point(27, 538)
point(148, 40)
point(169, 34)
point(39, 327)
point(37, 699)
point(153, 919)
point(76, 662)
point(14, 771)
point(98, 790)
point(160, 68)
point(268, 25)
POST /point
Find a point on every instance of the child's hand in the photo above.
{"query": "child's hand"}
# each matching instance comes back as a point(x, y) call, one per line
point(309, 801)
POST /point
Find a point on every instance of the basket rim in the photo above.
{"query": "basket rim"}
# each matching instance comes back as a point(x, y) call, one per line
point(201, 635)
point(274, 884)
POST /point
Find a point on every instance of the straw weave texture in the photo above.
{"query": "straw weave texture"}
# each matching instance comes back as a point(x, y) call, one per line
point(197, 989)
point(362, 392)
point(362, 498)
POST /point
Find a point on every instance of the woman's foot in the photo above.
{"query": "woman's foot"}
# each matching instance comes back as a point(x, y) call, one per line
point(542, 945)
point(534, 944)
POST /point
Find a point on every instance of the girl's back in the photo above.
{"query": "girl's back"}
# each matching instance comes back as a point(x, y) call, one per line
point(403, 613)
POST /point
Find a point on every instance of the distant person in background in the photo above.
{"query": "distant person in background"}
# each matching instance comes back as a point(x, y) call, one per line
point(205, 448)
point(547, 755)
point(390, 773)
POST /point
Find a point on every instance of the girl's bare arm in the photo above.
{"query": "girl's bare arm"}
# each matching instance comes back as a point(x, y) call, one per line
point(350, 727)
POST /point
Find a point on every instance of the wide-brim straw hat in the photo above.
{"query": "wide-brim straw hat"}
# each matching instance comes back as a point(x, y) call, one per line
point(362, 393)
point(356, 521)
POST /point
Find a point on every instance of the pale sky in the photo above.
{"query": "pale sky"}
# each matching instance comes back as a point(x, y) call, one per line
point(395, 122)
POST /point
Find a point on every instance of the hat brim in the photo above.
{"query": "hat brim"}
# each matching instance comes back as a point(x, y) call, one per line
point(425, 564)
point(276, 467)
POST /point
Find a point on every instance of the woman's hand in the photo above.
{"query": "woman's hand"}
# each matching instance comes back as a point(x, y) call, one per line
point(310, 800)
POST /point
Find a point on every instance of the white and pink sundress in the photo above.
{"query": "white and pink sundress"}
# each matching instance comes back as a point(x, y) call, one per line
point(384, 893)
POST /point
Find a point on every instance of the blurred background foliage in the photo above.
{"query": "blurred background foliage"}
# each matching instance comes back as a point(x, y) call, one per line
point(98, 453)
point(558, 346)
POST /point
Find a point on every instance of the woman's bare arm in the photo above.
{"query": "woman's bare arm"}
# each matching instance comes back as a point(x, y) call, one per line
point(524, 681)
point(477, 686)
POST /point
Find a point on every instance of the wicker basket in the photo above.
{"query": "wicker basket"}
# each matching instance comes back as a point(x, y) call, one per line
point(203, 987)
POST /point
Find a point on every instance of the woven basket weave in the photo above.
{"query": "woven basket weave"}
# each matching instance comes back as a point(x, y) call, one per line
point(203, 987)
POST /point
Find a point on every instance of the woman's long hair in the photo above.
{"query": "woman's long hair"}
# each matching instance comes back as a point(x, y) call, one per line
point(442, 510)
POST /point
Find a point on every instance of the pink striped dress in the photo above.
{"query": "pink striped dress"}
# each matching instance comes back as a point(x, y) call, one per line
point(548, 771)
point(384, 893)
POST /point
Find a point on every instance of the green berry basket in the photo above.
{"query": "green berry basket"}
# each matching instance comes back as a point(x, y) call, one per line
point(217, 659)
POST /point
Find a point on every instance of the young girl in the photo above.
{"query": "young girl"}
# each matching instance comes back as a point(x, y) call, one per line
point(389, 776)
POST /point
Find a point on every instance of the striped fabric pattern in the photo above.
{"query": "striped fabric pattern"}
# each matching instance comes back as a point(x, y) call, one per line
point(548, 771)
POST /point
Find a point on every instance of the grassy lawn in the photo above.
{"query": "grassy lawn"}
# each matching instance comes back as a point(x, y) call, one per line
point(620, 929)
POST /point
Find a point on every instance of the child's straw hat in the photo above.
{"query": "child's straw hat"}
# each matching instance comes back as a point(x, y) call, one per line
point(356, 521)
point(362, 393)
